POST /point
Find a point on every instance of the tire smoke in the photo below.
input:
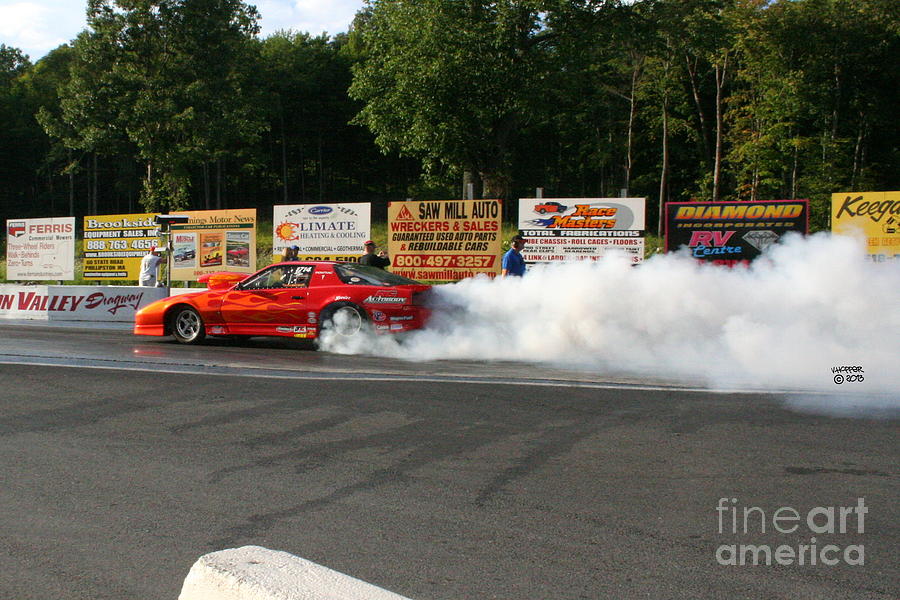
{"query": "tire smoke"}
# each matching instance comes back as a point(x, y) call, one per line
point(807, 306)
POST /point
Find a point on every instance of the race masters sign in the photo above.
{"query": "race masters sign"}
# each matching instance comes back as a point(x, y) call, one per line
point(40, 249)
point(322, 231)
point(732, 233)
point(874, 215)
point(444, 240)
point(115, 244)
point(581, 228)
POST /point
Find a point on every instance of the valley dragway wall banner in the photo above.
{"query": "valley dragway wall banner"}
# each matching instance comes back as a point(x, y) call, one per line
point(444, 240)
point(581, 228)
point(874, 215)
point(75, 303)
point(214, 240)
point(115, 244)
point(322, 231)
point(40, 249)
point(732, 233)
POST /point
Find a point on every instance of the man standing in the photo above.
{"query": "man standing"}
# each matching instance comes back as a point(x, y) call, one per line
point(290, 254)
point(149, 267)
point(513, 263)
point(379, 260)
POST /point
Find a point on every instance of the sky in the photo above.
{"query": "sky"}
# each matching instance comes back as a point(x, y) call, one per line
point(38, 26)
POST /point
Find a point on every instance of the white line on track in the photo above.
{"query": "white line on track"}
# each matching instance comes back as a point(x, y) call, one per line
point(219, 370)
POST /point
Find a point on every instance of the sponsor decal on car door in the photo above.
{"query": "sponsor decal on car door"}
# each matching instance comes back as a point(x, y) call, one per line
point(273, 304)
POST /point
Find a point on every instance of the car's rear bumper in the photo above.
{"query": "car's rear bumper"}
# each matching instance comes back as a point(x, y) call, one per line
point(408, 319)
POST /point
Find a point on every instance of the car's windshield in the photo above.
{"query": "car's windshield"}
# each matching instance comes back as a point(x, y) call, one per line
point(354, 274)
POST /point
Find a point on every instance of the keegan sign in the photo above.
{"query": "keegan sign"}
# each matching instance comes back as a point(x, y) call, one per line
point(581, 228)
point(115, 244)
point(732, 233)
point(322, 231)
point(444, 240)
point(875, 215)
point(40, 249)
point(213, 240)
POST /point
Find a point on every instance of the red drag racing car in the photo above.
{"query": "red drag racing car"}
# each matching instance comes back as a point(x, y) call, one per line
point(550, 207)
point(291, 299)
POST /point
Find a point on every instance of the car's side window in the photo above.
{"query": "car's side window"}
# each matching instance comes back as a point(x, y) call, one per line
point(353, 276)
point(297, 275)
point(279, 277)
point(263, 280)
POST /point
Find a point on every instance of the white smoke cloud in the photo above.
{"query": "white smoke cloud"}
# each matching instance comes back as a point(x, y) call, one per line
point(808, 305)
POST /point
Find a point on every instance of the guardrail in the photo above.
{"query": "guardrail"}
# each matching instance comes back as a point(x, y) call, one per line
point(78, 303)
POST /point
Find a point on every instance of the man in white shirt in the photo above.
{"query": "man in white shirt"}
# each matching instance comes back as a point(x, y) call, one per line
point(149, 267)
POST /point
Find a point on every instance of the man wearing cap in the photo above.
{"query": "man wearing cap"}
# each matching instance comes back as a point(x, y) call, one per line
point(513, 263)
point(379, 260)
point(291, 253)
point(149, 267)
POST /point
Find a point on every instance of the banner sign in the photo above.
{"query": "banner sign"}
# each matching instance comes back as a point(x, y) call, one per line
point(875, 215)
point(214, 240)
point(732, 233)
point(581, 228)
point(40, 249)
point(75, 303)
point(444, 240)
point(322, 231)
point(115, 244)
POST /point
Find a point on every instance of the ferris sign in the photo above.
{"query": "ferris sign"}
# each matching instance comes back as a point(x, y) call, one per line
point(40, 249)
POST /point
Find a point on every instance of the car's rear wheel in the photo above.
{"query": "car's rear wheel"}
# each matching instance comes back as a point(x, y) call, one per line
point(187, 326)
point(344, 319)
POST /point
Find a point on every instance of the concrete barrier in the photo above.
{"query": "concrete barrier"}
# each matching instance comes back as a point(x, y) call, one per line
point(78, 303)
point(256, 573)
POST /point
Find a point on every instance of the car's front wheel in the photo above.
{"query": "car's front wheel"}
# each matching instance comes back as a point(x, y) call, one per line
point(187, 326)
point(344, 318)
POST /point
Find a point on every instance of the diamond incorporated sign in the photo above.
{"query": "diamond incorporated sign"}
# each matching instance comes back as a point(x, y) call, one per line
point(732, 233)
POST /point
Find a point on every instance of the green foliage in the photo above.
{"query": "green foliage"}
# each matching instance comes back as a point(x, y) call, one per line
point(813, 105)
point(178, 104)
point(21, 143)
point(449, 81)
point(166, 77)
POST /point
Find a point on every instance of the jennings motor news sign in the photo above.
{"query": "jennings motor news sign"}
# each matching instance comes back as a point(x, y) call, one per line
point(732, 233)
point(214, 240)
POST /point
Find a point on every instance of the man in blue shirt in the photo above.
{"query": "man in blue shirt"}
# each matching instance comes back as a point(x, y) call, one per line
point(513, 263)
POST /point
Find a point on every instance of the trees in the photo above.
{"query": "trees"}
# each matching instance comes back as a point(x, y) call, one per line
point(310, 152)
point(818, 82)
point(178, 102)
point(166, 77)
point(451, 82)
point(20, 142)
